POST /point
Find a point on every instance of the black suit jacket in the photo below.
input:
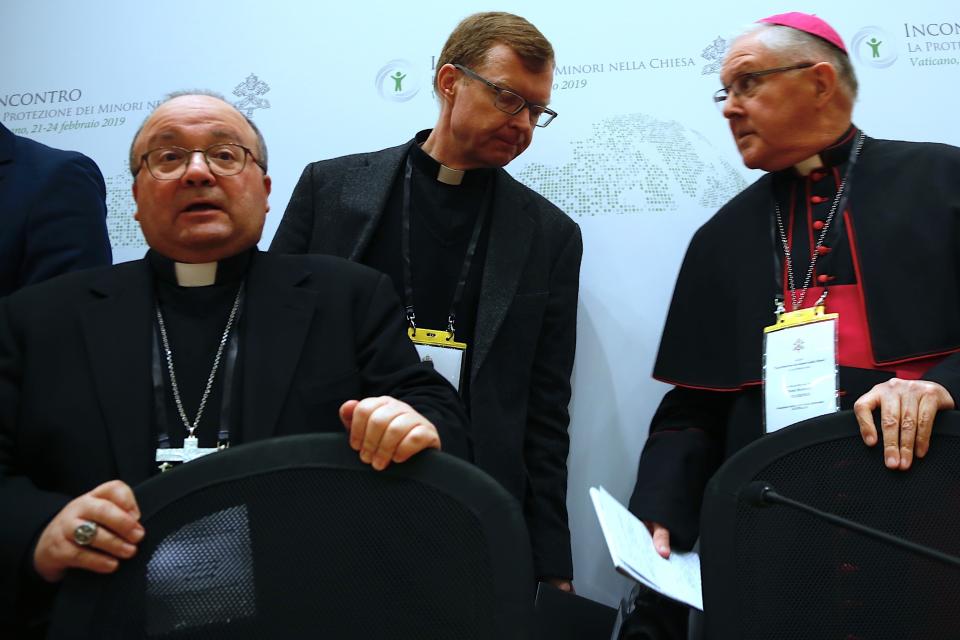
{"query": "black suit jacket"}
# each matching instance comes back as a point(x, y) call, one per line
point(52, 212)
point(75, 382)
point(525, 329)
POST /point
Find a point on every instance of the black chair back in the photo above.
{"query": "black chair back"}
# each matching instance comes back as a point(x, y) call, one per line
point(774, 572)
point(296, 538)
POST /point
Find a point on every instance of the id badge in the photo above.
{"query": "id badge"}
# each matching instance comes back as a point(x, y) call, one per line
point(799, 367)
point(440, 349)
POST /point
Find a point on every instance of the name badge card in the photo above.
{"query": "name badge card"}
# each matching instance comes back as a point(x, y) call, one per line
point(799, 367)
point(440, 349)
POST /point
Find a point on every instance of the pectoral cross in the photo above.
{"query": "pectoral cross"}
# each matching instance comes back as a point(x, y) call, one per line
point(188, 453)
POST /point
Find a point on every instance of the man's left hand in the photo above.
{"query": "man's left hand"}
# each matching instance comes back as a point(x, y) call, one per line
point(386, 430)
point(907, 410)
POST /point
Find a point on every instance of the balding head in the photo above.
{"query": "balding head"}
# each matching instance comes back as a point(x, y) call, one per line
point(261, 148)
point(203, 195)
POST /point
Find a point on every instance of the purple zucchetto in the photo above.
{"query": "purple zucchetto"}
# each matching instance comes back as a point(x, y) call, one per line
point(808, 24)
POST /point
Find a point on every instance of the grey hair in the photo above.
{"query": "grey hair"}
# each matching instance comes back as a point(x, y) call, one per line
point(261, 143)
point(794, 46)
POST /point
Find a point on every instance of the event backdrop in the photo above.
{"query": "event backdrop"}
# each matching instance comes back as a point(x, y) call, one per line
point(639, 155)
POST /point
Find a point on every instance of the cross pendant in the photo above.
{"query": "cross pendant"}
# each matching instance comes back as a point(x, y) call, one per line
point(190, 451)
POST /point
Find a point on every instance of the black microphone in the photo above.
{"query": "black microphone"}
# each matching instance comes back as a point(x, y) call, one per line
point(760, 493)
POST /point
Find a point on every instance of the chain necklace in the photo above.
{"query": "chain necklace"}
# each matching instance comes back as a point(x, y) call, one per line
point(797, 300)
point(213, 371)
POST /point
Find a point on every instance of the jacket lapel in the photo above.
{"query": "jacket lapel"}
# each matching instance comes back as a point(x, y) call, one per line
point(511, 231)
point(117, 324)
point(363, 198)
point(278, 317)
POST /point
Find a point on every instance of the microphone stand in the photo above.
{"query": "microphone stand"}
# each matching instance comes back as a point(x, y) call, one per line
point(761, 494)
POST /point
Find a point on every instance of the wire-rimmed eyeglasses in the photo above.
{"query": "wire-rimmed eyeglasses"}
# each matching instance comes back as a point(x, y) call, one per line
point(746, 84)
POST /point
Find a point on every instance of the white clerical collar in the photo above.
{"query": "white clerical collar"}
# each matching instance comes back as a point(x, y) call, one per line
point(806, 166)
point(446, 175)
point(195, 275)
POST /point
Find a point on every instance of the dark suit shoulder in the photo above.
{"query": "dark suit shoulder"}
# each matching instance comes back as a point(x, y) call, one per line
point(897, 158)
point(36, 169)
point(548, 215)
point(905, 148)
point(878, 154)
point(316, 271)
point(37, 162)
point(66, 289)
point(354, 160)
point(880, 158)
point(743, 204)
point(27, 147)
point(540, 204)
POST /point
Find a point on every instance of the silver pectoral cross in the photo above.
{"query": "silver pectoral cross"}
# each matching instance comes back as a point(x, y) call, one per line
point(189, 452)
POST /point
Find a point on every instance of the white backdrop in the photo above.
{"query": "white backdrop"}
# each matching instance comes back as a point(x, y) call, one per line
point(639, 155)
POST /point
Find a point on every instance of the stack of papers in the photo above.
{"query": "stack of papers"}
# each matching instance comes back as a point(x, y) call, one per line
point(631, 548)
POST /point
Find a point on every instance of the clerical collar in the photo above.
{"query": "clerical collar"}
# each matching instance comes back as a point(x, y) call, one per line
point(453, 177)
point(228, 270)
point(835, 154)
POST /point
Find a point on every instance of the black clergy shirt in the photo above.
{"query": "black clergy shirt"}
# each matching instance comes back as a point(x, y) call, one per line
point(195, 318)
point(442, 219)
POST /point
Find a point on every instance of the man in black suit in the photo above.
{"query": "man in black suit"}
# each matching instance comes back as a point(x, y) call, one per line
point(106, 373)
point(52, 212)
point(483, 264)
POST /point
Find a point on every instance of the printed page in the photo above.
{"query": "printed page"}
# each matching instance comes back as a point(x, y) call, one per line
point(631, 548)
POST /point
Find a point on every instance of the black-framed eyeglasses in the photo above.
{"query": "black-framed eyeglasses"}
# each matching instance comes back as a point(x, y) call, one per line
point(223, 158)
point(745, 84)
point(513, 103)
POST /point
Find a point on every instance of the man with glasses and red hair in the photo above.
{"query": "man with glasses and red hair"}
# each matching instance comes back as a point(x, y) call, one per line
point(487, 269)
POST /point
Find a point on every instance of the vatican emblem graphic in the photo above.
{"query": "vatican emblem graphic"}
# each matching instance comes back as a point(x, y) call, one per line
point(714, 54)
point(250, 91)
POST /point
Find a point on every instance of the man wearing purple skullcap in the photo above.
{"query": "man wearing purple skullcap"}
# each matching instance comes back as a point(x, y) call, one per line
point(876, 245)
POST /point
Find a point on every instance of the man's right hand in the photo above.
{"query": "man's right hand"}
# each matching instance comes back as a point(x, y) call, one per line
point(661, 538)
point(385, 430)
point(113, 509)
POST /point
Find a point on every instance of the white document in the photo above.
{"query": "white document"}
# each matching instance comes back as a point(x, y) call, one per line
point(799, 373)
point(631, 548)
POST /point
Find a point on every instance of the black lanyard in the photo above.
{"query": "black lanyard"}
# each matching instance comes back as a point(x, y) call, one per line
point(226, 396)
point(834, 234)
point(405, 252)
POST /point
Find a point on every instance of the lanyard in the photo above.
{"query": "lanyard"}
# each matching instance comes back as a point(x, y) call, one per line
point(835, 232)
point(160, 392)
point(405, 253)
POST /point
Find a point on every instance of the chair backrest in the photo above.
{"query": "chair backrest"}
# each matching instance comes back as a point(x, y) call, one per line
point(295, 538)
point(773, 572)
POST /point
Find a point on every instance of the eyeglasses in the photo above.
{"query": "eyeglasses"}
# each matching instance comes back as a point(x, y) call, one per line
point(224, 159)
point(746, 84)
point(513, 103)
